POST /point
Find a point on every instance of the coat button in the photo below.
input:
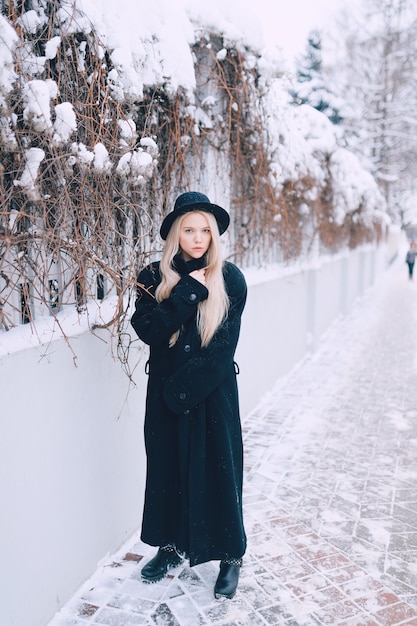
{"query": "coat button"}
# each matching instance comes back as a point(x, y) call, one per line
point(187, 348)
point(193, 297)
point(183, 396)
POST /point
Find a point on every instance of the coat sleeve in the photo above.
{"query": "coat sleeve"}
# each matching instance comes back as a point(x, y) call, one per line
point(155, 322)
point(203, 372)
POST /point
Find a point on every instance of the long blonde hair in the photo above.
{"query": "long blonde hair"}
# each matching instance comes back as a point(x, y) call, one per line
point(212, 311)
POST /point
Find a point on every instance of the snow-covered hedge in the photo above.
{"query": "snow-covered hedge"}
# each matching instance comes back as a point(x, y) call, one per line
point(106, 116)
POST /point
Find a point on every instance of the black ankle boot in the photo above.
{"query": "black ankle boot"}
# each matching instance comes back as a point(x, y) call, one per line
point(228, 578)
point(157, 568)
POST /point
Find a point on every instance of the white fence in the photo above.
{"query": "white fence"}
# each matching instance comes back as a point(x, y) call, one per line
point(286, 315)
point(71, 444)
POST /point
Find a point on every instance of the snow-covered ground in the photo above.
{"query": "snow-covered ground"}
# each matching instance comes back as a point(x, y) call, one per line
point(330, 496)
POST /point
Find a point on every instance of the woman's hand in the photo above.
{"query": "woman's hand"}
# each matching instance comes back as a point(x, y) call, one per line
point(199, 275)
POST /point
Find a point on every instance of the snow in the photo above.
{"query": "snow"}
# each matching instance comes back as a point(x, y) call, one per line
point(37, 110)
point(83, 155)
point(101, 157)
point(353, 186)
point(410, 210)
point(51, 47)
point(34, 157)
point(8, 39)
point(68, 323)
point(65, 122)
point(137, 164)
point(151, 45)
point(316, 129)
point(29, 21)
point(127, 132)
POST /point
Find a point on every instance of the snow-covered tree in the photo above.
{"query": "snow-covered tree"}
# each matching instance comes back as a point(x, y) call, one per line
point(375, 69)
point(311, 87)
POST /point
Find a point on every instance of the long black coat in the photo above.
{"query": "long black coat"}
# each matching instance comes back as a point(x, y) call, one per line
point(193, 438)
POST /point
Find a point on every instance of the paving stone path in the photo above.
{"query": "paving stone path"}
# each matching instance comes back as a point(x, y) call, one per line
point(330, 494)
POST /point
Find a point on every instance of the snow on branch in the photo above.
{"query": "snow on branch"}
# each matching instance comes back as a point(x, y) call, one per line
point(99, 133)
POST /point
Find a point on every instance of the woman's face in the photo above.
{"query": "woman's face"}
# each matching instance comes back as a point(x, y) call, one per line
point(195, 236)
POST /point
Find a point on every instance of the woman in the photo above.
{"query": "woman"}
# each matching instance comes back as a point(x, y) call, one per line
point(188, 311)
point(411, 258)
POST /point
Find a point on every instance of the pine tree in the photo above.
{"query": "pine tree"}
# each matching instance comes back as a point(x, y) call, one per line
point(311, 86)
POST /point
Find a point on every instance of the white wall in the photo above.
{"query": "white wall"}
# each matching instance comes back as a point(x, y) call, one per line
point(72, 472)
point(71, 444)
point(285, 317)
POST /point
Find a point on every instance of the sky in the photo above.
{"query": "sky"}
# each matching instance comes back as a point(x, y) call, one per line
point(287, 23)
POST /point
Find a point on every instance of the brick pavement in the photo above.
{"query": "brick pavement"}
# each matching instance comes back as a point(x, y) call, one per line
point(330, 494)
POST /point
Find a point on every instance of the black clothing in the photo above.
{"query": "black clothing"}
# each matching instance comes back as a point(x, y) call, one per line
point(410, 260)
point(193, 438)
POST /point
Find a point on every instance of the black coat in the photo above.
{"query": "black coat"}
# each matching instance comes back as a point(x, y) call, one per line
point(193, 438)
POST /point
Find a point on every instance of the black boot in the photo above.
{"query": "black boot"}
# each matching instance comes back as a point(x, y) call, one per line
point(228, 578)
point(157, 568)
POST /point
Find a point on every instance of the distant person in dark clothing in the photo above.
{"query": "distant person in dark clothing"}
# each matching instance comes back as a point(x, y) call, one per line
point(411, 258)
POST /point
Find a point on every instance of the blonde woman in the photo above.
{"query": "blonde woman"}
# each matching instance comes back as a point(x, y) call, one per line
point(188, 310)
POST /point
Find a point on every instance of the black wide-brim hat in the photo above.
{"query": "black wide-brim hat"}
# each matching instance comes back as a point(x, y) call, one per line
point(194, 201)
